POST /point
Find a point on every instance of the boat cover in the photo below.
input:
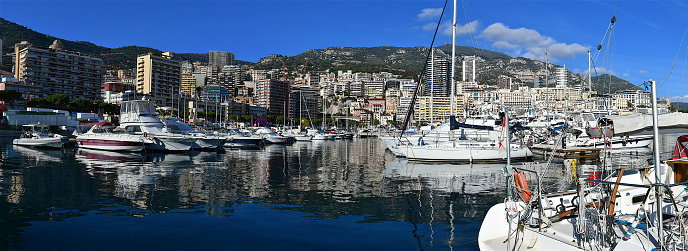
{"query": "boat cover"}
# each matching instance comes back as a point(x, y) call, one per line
point(641, 124)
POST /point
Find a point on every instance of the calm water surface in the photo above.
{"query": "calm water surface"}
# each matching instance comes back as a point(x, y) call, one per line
point(331, 195)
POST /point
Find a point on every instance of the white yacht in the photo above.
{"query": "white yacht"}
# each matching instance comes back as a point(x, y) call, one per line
point(203, 140)
point(102, 136)
point(269, 136)
point(139, 117)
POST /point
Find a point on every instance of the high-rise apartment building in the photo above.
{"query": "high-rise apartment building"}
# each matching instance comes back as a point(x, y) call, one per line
point(438, 78)
point(273, 95)
point(220, 58)
point(561, 75)
point(58, 71)
point(303, 102)
point(159, 76)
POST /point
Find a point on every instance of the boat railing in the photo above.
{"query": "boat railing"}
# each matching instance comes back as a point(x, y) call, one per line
point(683, 238)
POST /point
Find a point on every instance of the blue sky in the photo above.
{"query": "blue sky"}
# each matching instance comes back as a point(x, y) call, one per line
point(647, 37)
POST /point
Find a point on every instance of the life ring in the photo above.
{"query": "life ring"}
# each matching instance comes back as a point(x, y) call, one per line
point(145, 134)
point(522, 185)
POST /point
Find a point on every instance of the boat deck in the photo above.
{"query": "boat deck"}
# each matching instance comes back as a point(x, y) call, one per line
point(566, 153)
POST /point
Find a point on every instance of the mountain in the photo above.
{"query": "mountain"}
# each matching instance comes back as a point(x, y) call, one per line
point(680, 105)
point(601, 84)
point(407, 61)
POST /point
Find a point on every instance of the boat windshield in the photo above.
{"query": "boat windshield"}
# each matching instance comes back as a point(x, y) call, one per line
point(138, 106)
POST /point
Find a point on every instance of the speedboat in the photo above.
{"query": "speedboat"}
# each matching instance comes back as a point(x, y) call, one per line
point(270, 136)
point(242, 139)
point(104, 136)
point(36, 135)
point(203, 140)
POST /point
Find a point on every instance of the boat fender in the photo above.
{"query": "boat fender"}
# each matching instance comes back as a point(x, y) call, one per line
point(522, 185)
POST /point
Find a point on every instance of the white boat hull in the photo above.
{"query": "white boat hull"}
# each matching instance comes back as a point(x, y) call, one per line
point(124, 142)
point(275, 140)
point(171, 143)
point(618, 142)
point(41, 142)
point(208, 142)
point(303, 137)
point(470, 154)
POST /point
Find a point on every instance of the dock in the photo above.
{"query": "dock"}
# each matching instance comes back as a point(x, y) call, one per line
point(566, 153)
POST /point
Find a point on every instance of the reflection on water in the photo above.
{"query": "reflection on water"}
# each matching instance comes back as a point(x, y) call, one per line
point(309, 195)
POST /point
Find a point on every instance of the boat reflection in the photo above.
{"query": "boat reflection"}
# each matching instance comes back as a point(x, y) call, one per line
point(38, 155)
point(460, 178)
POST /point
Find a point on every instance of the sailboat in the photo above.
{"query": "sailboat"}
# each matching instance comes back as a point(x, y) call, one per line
point(640, 211)
point(458, 148)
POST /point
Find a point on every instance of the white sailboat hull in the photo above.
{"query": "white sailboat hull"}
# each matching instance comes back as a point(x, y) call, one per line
point(441, 153)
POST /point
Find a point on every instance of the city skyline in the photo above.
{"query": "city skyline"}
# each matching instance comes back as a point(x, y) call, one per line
point(643, 47)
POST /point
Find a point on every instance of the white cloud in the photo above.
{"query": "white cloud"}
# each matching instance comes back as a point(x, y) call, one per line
point(679, 99)
point(600, 71)
point(641, 72)
point(468, 28)
point(504, 45)
point(429, 14)
point(446, 28)
point(532, 42)
point(625, 75)
point(429, 27)
point(565, 51)
point(521, 36)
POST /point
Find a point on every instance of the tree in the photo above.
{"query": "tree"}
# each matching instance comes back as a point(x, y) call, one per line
point(9, 96)
point(58, 100)
point(80, 104)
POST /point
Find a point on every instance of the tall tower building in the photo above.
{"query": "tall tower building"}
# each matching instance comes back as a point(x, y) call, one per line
point(273, 95)
point(438, 78)
point(58, 71)
point(561, 75)
point(468, 67)
point(159, 76)
point(220, 58)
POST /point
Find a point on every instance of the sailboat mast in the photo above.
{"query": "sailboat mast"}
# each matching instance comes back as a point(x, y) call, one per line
point(658, 162)
point(453, 89)
point(589, 73)
point(432, 82)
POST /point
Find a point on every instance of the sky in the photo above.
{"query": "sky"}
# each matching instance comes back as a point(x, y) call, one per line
point(646, 42)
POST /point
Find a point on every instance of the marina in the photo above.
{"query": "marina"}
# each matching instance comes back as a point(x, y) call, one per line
point(518, 136)
point(335, 195)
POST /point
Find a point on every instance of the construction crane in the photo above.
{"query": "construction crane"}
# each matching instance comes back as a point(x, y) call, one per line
point(107, 56)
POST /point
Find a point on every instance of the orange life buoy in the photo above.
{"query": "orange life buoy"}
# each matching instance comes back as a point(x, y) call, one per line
point(522, 185)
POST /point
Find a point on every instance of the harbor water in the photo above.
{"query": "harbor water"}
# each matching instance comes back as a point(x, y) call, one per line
point(327, 195)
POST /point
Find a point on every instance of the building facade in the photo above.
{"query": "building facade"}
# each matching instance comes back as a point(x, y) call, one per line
point(273, 95)
point(220, 58)
point(58, 71)
point(160, 77)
